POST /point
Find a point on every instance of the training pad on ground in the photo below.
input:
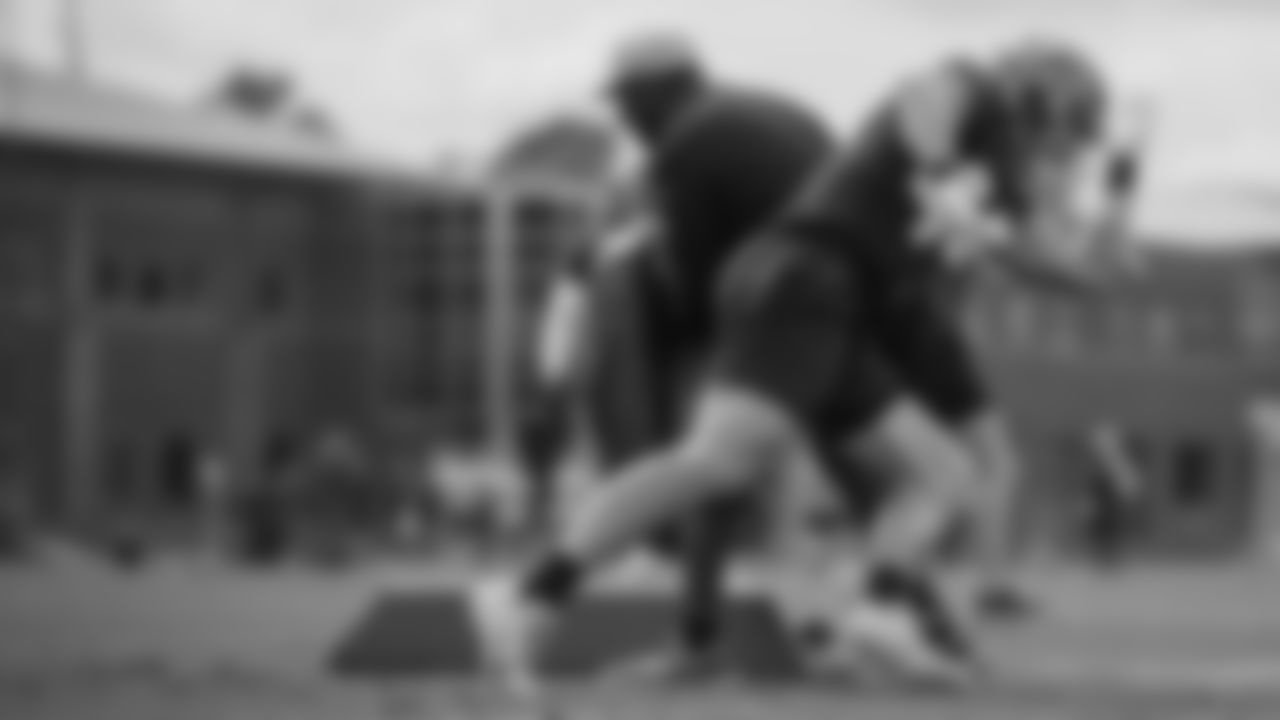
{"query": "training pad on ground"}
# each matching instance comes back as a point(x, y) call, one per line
point(431, 633)
point(1001, 701)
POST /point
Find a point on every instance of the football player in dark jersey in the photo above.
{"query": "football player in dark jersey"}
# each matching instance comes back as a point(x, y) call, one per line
point(607, 311)
point(818, 328)
point(748, 153)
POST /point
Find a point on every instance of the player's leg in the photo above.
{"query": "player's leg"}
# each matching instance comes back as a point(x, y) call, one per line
point(733, 440)
point(636, 381)
point(881, 423)
point(640, 360)
point(702, 548)
point(705, 551)
point(862, 489)
point(782, 330)
point(994, 518)
point(627, 403)
point(713, 538)
point(924, 336)
point(544, 439)
point(933, 481)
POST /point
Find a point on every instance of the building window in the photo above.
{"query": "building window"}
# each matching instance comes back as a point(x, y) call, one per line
point(121, 476)
point(153, 286)
point(1207, 330)
point(108, 278)
point(1193, 469)
point(179, 472)
point(421, 296)
point(974, 318)
point(189, 284)
point(280, 454)
point(1125, 328)
point(1259, 327)
point(273, 290)
point(1258, 319)
point(1161, 329)
point(1063, 328)
point(1019, 319)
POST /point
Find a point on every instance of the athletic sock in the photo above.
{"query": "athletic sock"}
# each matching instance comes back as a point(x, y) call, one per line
point(554, 580)
point(699, 631)
point(911, 589)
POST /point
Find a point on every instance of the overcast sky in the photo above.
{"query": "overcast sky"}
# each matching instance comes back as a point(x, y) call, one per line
point(417, 78)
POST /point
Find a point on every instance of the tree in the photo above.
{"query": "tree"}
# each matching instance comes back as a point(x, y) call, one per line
point(266, 94)
point(561, 147)
point(313, 121)
point(257, 92)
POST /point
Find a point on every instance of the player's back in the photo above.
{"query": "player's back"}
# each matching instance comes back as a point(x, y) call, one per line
point(862, 203)
point(734, 159)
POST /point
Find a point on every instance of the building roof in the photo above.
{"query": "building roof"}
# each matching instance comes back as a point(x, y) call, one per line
point(45, 108)
point(1209, 277)
point(1212, 213)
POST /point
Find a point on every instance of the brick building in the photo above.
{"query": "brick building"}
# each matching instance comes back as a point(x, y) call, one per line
point(181, 284)
point(174, 285)
point(1176, 361)
point(177, 284)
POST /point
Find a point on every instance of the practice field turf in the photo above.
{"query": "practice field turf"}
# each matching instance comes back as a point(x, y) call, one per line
point(190, 643)
point(249, 697)
point(1001, 703)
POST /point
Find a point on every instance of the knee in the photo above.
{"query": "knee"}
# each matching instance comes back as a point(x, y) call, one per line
point(994, 452)
point(945, 469)
point(729, 467)
point(735, 442)
point(923, 456)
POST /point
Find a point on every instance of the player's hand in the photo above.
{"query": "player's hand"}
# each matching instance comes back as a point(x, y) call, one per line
point(954, 219)
point(1080, 225)
point(1118, 248)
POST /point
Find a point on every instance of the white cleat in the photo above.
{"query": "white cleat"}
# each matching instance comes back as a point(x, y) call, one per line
point(512, 631)
point(890, 640)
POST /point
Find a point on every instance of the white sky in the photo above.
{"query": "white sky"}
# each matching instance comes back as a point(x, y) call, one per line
point(420, 78)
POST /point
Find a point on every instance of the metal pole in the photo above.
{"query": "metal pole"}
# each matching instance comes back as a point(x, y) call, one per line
point(74, 40)
point(82, 401)
point(499, 338)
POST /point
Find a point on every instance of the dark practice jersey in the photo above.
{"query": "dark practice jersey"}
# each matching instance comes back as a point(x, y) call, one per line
point(863, 202)
point(731, 163)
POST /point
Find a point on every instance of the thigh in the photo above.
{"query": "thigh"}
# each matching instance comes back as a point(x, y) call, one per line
point(908, 442)
point(922, 336)
point(991, 444)
point(790, 326)
point(862, 487)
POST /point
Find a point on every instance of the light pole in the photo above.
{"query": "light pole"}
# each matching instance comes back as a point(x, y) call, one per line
point(74, 40)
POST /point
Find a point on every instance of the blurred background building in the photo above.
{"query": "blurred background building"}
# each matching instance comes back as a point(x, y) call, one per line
point(185, 285)
point(1176, 362)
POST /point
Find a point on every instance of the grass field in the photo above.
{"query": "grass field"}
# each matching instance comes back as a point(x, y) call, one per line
point(184, 642)
point(138, 695)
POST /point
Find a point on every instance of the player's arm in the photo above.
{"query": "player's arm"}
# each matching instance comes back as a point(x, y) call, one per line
point(567, 320)
point(1079, 231)
point(1116, 460)
point(932, 114)
point(563, 326)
